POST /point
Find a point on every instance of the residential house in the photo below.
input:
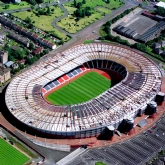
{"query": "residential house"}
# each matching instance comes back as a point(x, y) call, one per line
point(2, 37)
point(4, 74)
point(162, 43)
point(163, 54)
point(18, 38)
point(15, 1)
point(25, 32)
point(38, 50)
point(158, 162)
point(3, 57)
point(21, 61)
point(157, 45)
point(15, 66)
point(158, 51)
point(8, 64)
point(47, 43)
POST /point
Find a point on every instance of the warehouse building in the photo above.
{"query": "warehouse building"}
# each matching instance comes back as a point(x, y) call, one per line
point(152, 32)
point(125, 31)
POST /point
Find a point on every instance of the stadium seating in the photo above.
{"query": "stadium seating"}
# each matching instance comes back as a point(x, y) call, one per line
point(141, 82)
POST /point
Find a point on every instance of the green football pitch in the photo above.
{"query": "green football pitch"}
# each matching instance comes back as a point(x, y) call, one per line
point(80, 90)
point(10, 156)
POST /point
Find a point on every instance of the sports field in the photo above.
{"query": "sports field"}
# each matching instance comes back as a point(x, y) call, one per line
point(10, 156)
point(80, 90)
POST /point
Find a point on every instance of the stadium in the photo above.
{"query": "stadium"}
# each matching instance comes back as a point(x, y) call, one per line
point(131, 82)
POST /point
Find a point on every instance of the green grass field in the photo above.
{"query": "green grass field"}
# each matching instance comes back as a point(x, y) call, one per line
point(10, 156)
point(104, 10)
point(80, 90)
point(99, 163)
point(69, 23)
point(88, 41)
point(43, 21)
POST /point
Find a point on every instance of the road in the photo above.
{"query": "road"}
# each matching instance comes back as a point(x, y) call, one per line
point(59, 18)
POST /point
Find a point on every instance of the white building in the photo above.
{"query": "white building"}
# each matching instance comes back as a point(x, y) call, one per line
point(161, 4)
point(18, 1)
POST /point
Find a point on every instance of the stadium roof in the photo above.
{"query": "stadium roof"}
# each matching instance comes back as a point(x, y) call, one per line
point(161, 4)
point(26, 102)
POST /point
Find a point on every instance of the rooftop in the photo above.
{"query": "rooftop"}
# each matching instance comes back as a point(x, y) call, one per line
point(161, 4)
point(3, 70)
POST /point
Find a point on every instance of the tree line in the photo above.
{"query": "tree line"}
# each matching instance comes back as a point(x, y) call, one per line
point(81, 12)
point(34, 2)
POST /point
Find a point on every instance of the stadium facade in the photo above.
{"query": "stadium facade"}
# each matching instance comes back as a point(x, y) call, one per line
point(139, 82)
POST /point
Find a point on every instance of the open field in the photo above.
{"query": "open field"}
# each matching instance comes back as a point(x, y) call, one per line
point(99, 163)
point(93, 4)
point(9, 155)
point(43, 21)
point(103, 10)
point(23, 4)
point(88, 41)
point(22, 147)
point(19, 6)
point(72, 26)
point(80, 90)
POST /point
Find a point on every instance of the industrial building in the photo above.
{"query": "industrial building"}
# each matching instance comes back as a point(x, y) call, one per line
point(152, 32)
point(125, 31)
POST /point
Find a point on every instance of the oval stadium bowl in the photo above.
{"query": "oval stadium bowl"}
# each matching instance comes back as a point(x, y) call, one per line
point(137, 81)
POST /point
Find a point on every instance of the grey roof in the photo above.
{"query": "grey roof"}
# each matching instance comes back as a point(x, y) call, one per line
point(157, 50)
point(152, 31)
point(9, 63)
point(157, 45)
point(163, 54)
point(162, 43)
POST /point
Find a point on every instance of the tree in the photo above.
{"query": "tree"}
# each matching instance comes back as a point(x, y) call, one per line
point(84, 1)
point(11, 58)
point(39, 1)
point(21, 66)
point(19, 54)
point(30, 26)
point(29, 61)
point(32, 7)
point(6, 6)
point(108, 1)
point(55, 5)
point(48, 11)
point(41, 12)
point(79, 5)
point(45, 51)
point(52, 10)
point(31, 46)
point(74, 3)
point(161, 11)
point(61, 42)
point(32, 2)
point(28, 20)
